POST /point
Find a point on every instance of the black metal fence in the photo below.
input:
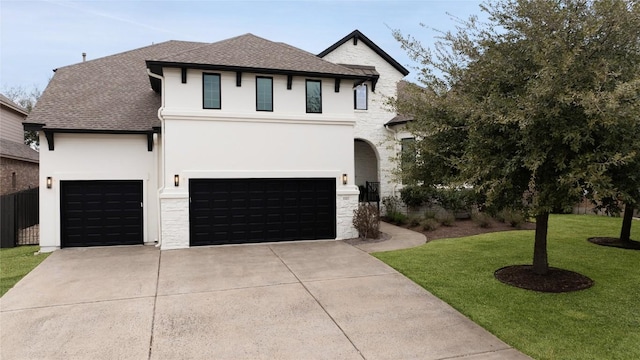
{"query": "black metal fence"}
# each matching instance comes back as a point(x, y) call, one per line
point(19, 219)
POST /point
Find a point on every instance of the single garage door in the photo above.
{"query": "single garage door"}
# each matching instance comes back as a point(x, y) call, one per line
point(232, 211)
point(100, 213)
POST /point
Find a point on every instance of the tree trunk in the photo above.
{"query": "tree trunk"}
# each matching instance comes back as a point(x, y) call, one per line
point(627, 219)
point(540, 262)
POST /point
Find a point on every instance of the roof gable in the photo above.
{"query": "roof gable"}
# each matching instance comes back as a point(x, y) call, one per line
point(252, 53)
point(356, 35)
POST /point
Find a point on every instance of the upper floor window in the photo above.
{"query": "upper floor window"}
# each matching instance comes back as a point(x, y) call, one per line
point(211, 91)
point(264, 93)
point(360, 97)
point(314, 96)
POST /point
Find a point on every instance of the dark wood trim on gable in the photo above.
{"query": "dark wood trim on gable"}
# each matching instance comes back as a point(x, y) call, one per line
point(357, 35)
point(238, 78)
point(289, 81)
point(184, 74)
point(337, 86)
point(149, 141)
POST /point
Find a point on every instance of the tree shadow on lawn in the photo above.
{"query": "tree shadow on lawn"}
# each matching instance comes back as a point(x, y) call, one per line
point(615, 242)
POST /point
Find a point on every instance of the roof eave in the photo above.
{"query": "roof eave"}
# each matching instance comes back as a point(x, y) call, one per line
point(156, 67)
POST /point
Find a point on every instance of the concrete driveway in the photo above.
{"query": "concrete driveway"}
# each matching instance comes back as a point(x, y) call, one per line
point(307, 300)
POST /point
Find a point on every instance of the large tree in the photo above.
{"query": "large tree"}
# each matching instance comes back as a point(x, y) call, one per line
point(527, 93)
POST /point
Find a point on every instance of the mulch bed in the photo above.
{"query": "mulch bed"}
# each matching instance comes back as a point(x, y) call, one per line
point(615, 242)
point(467, 227)
point(555, 281)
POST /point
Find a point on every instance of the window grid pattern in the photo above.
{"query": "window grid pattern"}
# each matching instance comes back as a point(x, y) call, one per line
point(211, 91)
point(264, 94)
point(360, 97)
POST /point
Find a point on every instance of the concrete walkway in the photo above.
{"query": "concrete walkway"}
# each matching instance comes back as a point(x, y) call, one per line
point(399, 238)
point(307, 300)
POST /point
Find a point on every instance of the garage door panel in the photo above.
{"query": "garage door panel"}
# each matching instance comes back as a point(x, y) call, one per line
point(100, 213)
point(224, 211)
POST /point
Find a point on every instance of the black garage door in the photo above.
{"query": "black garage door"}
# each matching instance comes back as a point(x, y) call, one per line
point(99, 213)
point(232, 211)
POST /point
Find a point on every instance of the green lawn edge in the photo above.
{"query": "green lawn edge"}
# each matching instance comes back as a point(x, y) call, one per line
point(17, 262)
point(602, 322)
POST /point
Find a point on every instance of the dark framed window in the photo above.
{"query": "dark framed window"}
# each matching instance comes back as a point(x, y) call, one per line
point(211, 94)
point(360, 97)
point(264, 93)
point(314, 96)
point(407, 152)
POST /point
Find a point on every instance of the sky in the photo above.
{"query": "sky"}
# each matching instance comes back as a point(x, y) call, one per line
point(39, 36)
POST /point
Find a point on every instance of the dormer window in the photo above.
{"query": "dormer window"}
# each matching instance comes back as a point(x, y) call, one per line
point(360, 97)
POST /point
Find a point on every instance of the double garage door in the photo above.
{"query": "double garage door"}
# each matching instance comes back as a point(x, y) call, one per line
point(232, 211)
point(221, 211)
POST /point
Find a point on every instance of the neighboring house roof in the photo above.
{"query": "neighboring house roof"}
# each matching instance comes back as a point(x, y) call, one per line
point(106, 94)
point(13, 150)
point(357, 35)
point(255, 54)
point(13, 106)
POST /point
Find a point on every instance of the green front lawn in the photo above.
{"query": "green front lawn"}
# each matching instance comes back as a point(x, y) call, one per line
point(17, 262)
point(602, 322)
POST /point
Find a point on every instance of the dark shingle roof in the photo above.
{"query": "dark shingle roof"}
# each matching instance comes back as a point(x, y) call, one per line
point(18, 151)
point(255, 53)
point(106, 94)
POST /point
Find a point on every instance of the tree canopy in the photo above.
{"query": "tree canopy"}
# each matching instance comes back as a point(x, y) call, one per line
point(541, 102)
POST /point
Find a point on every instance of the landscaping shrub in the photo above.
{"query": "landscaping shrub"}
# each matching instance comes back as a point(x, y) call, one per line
point(397, 218)
point(415, 195)
point(392, 207)
point(481, 219)
point(430, 214)
point(457, 199)
point(445, 218)
point(392, 204)
point(429, 224)
point(515, 218)
point(414, 221)
point(366, 220)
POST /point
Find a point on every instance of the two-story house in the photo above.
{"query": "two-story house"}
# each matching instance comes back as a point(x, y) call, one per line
point(238, 141)
point(18, 161)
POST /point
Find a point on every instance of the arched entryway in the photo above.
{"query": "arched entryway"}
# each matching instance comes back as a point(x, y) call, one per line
point(366, 171)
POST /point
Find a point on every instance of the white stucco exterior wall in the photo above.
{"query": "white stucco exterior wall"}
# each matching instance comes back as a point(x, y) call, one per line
point(370, 122)
point(95, 157)
point(237, 141)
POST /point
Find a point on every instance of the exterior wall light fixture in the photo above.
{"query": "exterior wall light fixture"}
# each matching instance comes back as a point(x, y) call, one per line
point(176, 180)
point(345, 179)
point(49, 182)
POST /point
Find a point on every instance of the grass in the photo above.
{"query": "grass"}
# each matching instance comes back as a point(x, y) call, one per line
point(602, 322)
point(17, 262)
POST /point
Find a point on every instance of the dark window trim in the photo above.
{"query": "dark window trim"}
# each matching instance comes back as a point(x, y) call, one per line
point(204, 74)
point(306, 96)
point(264, 77)
point(366, 97)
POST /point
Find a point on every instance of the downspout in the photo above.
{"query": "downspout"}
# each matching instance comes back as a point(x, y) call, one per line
point(162, 156)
